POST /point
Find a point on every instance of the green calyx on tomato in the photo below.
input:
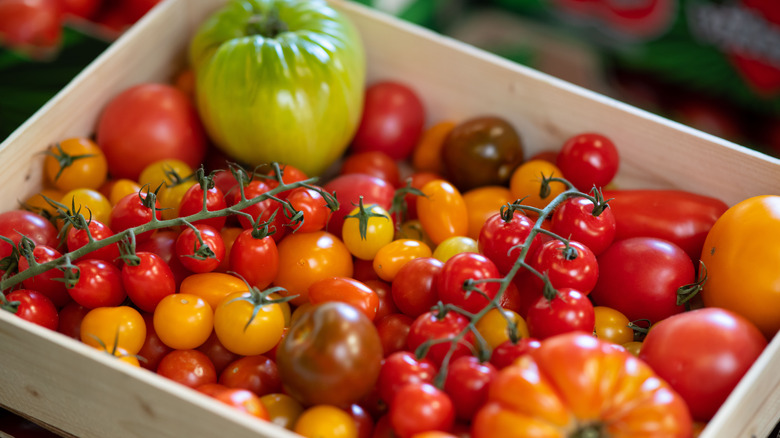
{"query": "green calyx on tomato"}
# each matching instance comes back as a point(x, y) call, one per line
point(279, 80)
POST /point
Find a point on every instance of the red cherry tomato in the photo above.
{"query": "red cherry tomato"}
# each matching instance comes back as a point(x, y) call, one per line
point(569, 311)
point(35, 307)
point(188, 367)
point(574, 220)
point(588, 160)
point(213, 249)
point(76, 238)
point(348, 190)
point(431, 326)
point(258, 374)
point(374, 163)
point(572, 265)
point(49, 282)
point(421, 407)
point(255, 259)
point(192, 202)
point(460, 268)
point(16, 223)
point(414, 287)
point(499, 239)
point(149, 281)
point(467, 385)
point(99, 284)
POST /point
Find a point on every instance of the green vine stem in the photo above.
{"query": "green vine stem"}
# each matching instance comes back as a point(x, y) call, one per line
point(10, 280)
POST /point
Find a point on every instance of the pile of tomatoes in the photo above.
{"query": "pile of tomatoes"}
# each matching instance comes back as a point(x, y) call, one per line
point(426, 287)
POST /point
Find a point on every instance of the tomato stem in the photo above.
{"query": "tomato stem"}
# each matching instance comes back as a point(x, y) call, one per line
point(267, 25)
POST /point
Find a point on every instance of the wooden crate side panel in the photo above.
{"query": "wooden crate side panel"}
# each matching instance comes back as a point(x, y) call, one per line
point(76, 389)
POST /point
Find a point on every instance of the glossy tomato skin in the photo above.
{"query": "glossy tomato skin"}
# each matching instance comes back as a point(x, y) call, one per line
point(461, 268)
point(192, 202)
point(567, 266)
point(574, 220)
point(414, 287)
point(46, 282)
point(421, 407)
point(588, 160)
point(76, 238)
point(258, 374)
point(569, 311)
point(156, 118)
point(703, 354)
point(347, 290)
point(560, 385)
point(86, 167)
point(742, 266)
point(332, 354)
point(375, 163)
point(680, 217)
point(246, 327)
point(508, 352)
point(99, 284)
point(34, 27)
point(401, 368)
point(499, 239)
point(149, 281)
point(433, 326)
point(481, 151)
point(392, 121)
point(349, 188)
point(262, 211)
point(256, 260)
point(393, 330)
point(15, 223)
point(35, 307)
point(640, 277)
point(467, 385)
point(187, 367)
point(187, 243)
point(442, 211)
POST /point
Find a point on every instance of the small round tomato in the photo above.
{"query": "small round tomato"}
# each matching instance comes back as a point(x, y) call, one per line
point(482, 203)
point(347, 290)
point(467, 385)
point(307, 257)
point(257, 373)
point(283, 410)
point(383, 291)
point(70, 318)
point(324, 421)
point(187, 367)
point(38, 204)
point(392, 122)
point(375, 163)
point(266, 211)
point(421, 407)
point(77, 237)
point(454, 245)
point(331, 355)
point(17, 223)
point(256, 260)
point(502, 239)
point(75, 163)
point(482, 151)
point(500, 325)
point(393, 331)
point(248, 323)
point(220, 356)
point(163, 173)
point(99, 284)
point(154, 349)
point(414, 287)
point(111, 327)
point(196, 256)
point(117, 189)
point(213, 287)
point(464, 267)
point(148, 280)
point(612, 326)
point(89, 202)
point(192, 202)
point(588, 160)
point(401, 368)
point(575, 220)
point(526, 183)
point(440, 333)
point(348, 190)
point(442, 211)
point(569, 311)
point(183, 321)
point(48, 282)
point(393, 256)
point(35, 307)
point(571, 265)
point(243, 400)
point(366, 229)
point(507, 352)
point(312, 205)
point(170, 198)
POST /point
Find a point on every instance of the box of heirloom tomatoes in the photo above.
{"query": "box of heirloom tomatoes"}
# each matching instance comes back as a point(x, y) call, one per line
point(307, 218)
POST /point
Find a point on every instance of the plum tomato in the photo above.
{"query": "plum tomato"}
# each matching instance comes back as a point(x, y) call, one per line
point(442, 211)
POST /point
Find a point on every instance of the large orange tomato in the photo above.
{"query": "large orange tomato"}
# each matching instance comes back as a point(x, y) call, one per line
point(741, 259)
point(578, 385)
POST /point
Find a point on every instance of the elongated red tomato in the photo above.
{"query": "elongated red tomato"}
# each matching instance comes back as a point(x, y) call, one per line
point(678, 216)
point(576, 385)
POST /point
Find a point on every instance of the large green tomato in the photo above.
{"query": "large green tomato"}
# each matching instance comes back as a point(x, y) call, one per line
point(280, 80)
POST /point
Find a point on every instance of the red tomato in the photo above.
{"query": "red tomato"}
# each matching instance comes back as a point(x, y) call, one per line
point(574, 220)
point(158, 119)
point(680, 217)
point(153, 349)
point(192, 202)
point(256, 260)
point(384, 292)
point(588, 160)
point(414, 287)
point(258, 374)
point(401, 368)
point(421, 407)
point(132, 211)
point(196, 257)
point(149, 281)
point(393, 331)
point(507, 352)
point(70, 318)
point(34, 307)
point(432, 326)
point(374, 163)
point(76, 238)
point(32, 26)
point(569, 311)
point(188, 367)
point(99, 284)
point(572, 265)
point(163, 243)
point(49, 282)
point(16, 223)
point(220, 356)
point(265, 211)
point(81, 8)
point(347, 290)
point(640, 277)
point(467, 385)
point(500, 238)
point(392, 122)
point(467, 266)
point(243, 400)
point(348, 190)
point(703, 354)
point(313, 206)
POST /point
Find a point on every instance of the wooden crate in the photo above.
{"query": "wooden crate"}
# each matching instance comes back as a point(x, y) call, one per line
point(75, 390)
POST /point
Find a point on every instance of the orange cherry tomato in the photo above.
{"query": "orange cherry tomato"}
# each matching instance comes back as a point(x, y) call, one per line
point(213, 287)
point(283, 410)
point(483, 202)
point(526, 182)
point(393, 256)
point(426, 156)
point(183, 321)
point(494, 327)
point(75, 163)
point(109, 328)
point(442, 211)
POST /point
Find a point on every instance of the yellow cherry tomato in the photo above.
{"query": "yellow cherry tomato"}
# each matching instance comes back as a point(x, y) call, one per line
point(90, 203)
point(109, 328)
point(37, 203)
point(307, 257)
point(325, 421)
point(377, 231)
point(611, 325)
point(526, 182)
point(442, 211)
point(164, 173)
point(121, 188)
point(494, 327)
point(170, 198)
point(454, 245)
point(393, 256)
point(283, 410)
point(183, 321)
point(246, 326)
point(75, 163)
point(483, 202)
point(213, 287)
point(426, 156)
